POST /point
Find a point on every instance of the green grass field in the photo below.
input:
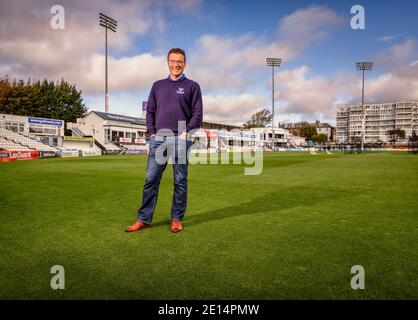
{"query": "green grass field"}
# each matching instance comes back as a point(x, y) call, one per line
point(293, 232)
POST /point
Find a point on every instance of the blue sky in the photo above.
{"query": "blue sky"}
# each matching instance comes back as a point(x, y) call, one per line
point(226, 43)
point(234, 18)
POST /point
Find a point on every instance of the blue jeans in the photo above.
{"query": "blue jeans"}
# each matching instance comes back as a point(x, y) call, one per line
point(161, 148)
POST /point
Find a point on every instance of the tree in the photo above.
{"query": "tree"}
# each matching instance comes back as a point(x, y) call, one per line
point(395, 135)
point(45, 99)
point(320, 138)
point(356, 141)
point(307, 131)
point(413, 142)
point(259, 119)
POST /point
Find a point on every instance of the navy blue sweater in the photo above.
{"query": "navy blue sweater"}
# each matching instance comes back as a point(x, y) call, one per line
point(171, 101)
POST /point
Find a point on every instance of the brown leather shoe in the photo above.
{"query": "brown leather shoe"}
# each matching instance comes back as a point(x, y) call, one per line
point(176, 226)
point(138, 225)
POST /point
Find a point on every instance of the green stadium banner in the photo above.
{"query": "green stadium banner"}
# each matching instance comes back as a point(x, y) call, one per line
point(74, 138)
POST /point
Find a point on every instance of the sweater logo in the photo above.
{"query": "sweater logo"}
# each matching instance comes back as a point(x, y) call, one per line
point(180, 91)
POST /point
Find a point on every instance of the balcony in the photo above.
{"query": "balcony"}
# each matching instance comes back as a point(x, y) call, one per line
point(403, 112)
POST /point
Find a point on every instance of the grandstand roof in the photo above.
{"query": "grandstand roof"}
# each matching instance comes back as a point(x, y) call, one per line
point(141, 121)
point(218, 125)
point(118, 117)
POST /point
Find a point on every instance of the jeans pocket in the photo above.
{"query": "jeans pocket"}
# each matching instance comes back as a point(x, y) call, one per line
point(151, 145)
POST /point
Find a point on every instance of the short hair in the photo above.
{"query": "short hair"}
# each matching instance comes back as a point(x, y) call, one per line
point(177, 50)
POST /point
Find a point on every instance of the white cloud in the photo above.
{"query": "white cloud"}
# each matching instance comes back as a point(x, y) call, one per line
point(305, 94)
point(301, 93)
point(397, 55)
point(31, 48)
point(231, 108)
point(184, 6)
point(40, 52)
point(125, 74)
point(239, 60)
point(398, 82)
point(305, 26)
point(396, 86)
point(387, 38)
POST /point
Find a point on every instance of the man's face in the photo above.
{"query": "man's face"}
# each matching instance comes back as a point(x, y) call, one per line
point(176, 64)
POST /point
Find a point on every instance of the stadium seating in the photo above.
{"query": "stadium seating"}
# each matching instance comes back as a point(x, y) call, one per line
point(11, 146)
point(14, 141)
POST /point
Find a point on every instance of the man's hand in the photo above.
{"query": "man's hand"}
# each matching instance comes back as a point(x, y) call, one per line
point(183, 135)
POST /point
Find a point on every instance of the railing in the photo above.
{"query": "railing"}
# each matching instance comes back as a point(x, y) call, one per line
point(77, 132)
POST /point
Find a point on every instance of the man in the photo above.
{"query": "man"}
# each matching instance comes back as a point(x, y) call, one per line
point(174, 109)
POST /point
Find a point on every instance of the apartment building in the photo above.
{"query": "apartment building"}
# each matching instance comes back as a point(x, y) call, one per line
point(379, 119)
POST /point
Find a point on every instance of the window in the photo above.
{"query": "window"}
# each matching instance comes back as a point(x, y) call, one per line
point(35, 129)
point(13, 126)
point(39, 128)
point(106, 135)
point(50, 130)
point(44, 140)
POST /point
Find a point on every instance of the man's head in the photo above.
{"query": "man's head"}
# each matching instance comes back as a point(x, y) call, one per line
point(176, 59)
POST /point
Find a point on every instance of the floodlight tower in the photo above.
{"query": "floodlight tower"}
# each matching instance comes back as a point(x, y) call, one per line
point(273, 62)
point(111, 24)
point(362, 66)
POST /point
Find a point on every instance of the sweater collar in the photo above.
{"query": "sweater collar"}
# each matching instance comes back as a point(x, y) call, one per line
point(183, 77)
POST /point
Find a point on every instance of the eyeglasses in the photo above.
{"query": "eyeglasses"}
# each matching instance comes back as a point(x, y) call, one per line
point(175, 61)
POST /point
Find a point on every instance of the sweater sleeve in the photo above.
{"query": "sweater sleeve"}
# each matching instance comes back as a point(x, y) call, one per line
point(197, 110)
point(151, 110)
